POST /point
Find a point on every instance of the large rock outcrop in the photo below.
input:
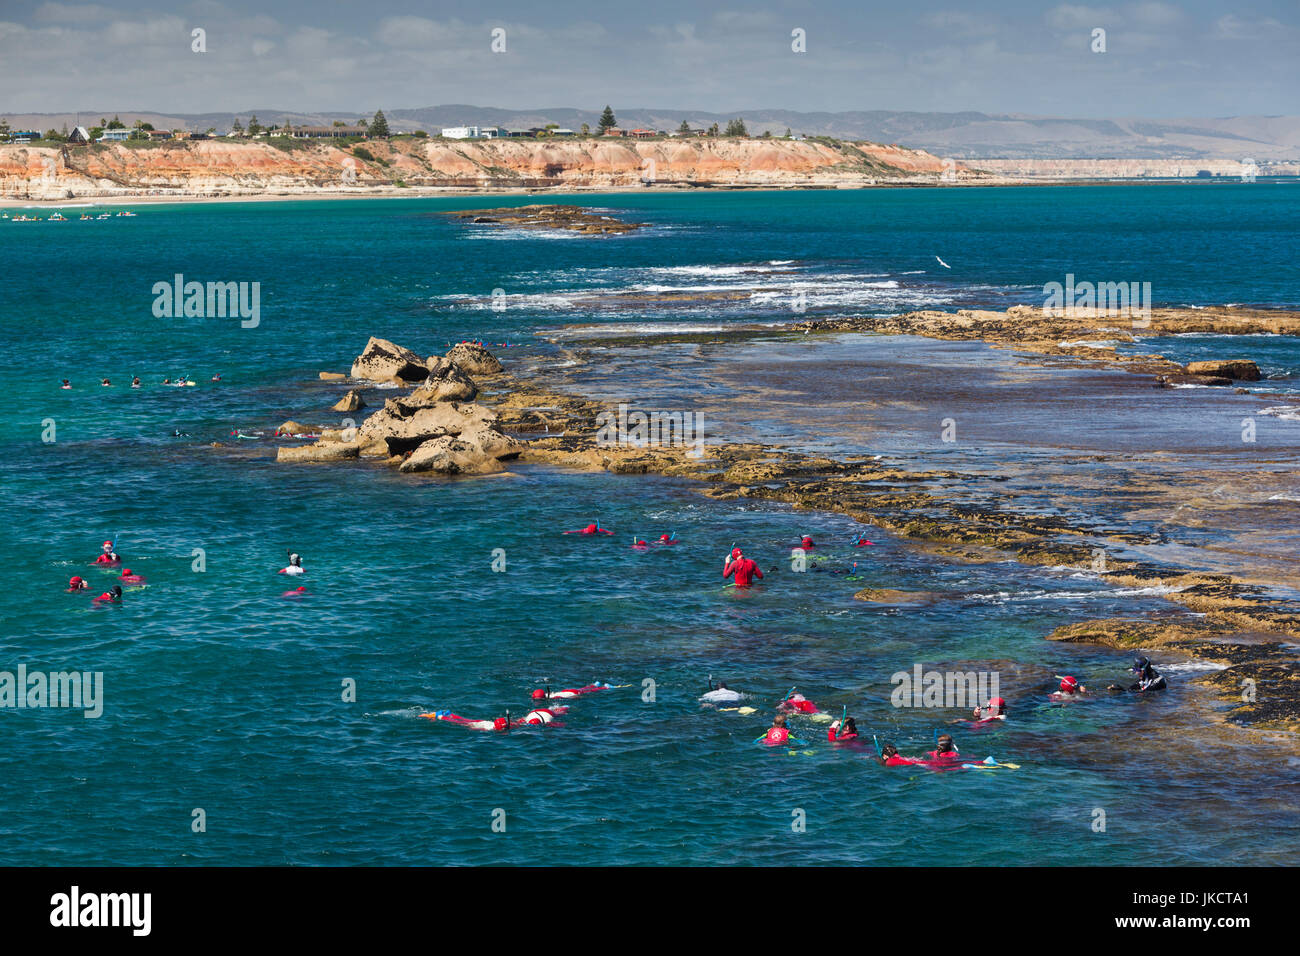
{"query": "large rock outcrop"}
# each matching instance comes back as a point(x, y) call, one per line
point(383, 361)
point(1239, 370)
point(404, 428)
point(447, 382)
point(451, 456)
point(474, 359)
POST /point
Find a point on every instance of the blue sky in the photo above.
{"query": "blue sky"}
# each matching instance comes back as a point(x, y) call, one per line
point(1163, 58)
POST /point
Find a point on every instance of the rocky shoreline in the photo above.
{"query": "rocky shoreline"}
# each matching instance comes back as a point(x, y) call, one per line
point(464, 414)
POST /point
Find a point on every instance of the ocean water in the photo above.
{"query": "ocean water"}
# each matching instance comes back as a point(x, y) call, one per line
point(220, 695)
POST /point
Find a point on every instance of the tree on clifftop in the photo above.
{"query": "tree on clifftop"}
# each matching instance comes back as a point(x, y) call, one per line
point(607, 120)
point(379, 125)
point(116, 123)
point(685, 128)
point(737, 128)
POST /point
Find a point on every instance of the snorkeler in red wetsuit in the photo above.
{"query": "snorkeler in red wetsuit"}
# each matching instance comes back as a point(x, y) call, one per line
point(742, 567)
point(594, 528)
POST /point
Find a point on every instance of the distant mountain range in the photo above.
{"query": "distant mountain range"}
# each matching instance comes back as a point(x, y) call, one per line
point(966, 135)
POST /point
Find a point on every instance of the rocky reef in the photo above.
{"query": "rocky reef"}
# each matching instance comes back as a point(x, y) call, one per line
point(446, 422)
point(569, 218)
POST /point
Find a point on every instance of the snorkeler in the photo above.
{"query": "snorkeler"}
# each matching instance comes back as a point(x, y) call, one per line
point(65, 384)
point(849, 732)
point(798, 703)
point(112, 596)
point(945, 749)
point(135, 382)
point(294, 566)
point(539, 717)
point(545, 693)
point(777, 734)
point(129, 577)
point(591, 529)
point(890, 757)
point(995, 709)
point(108, 555)
point(77, 583)
point(1148, 677)
point(742, 567)
point(722, 694)
point(1070, 687)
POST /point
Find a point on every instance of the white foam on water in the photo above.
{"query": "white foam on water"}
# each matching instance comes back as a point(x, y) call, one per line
point(1289, 413)
point(1004, 597)
point(1192, 667)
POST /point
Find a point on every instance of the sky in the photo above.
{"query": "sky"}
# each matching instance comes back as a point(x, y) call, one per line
point(1161, 58)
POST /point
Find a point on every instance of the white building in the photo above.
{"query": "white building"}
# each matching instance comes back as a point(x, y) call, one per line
point(473, 132)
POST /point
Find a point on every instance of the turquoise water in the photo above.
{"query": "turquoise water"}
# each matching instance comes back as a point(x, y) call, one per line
point(221, 695)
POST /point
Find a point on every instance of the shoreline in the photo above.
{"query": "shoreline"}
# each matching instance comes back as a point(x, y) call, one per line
point(439, 192)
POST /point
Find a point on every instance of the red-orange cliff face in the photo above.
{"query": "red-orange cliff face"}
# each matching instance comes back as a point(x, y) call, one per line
point(224, 167)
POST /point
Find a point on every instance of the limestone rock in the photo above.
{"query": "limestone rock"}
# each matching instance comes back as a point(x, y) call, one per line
point(475, 359)
point(447, 382)
point(382, 360)
point(1243, 370)
point(405, 428)
point(350, 402)
point(450, 456)
point(318, 451)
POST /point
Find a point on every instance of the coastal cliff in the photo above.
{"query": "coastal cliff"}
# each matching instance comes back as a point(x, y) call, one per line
point(292, 167)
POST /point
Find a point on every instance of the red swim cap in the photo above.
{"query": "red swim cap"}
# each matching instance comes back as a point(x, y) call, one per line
point(807, 541)
point(108, 544)
point(1068, 684)
point(665, 537)
point(590, 527)
point(998, 702)
point(735, 552)
point(74, 582)
point(539, 694)
point(125, 572)
point(499, 724)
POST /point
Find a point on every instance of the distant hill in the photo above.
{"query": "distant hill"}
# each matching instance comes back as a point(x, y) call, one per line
point(967, 135)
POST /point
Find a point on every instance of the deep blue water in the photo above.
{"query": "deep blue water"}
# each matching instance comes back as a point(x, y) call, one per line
point(220, 695)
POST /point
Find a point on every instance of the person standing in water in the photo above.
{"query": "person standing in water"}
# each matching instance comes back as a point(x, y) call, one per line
point(742, 567)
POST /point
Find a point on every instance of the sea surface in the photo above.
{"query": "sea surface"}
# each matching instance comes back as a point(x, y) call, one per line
point(222, 696)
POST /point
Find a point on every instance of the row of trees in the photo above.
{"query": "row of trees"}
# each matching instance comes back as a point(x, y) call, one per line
point(735, 128)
